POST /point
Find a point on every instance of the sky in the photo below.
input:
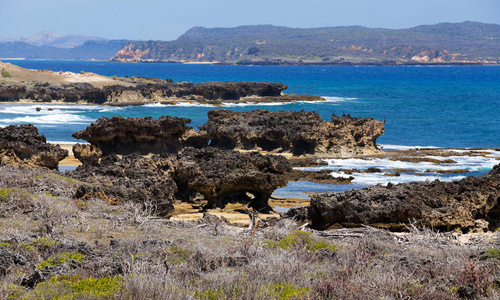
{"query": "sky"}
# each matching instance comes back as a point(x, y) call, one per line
point(168, 19)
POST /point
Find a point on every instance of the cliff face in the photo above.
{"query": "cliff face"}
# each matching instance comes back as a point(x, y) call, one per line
point(445, 43)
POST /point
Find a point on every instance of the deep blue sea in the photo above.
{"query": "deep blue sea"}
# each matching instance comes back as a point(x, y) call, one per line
point(423, 106)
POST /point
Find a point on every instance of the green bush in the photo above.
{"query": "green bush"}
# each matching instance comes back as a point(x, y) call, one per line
point(302, 239)
point(76, 287)
point(492, 252)
point(4, 194)
point(5, 73)
point(285, 291)
point(60, 259)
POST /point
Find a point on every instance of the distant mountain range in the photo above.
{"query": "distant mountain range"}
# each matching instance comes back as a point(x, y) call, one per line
point(445, 43)
point(47, 38)
point(52, 46)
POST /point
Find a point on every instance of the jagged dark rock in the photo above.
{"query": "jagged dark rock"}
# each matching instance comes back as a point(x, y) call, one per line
point(132, 178)
point(223, 176)
point(299, 133)
point(119, 135)
point(8, 259)
point(220, 176)
point(24, 146)
point(466, 205)
point(87, 154)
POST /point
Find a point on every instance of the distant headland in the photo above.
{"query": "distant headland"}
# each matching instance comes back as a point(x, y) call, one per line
point(466, 43)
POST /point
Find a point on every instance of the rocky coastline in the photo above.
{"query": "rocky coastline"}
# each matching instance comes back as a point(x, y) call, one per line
point(164, 162)
point(32, 86)
point(285, 132)
point(107, 229)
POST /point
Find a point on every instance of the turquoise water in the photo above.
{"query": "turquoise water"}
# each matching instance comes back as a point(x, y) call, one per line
point(423, 106)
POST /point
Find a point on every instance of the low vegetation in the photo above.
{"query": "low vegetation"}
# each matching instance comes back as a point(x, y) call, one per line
point(52, 247)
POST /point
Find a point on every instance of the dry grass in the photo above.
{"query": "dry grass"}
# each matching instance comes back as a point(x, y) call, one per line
point(154, 258)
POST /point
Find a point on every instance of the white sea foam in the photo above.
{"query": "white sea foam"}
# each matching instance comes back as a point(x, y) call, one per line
point(241, 104)
point(402, 147)
point(54, 109)
point(334, 99)
point(49, 119)
point(422, 171)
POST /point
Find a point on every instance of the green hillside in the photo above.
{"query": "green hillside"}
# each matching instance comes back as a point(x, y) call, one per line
point(468, 42)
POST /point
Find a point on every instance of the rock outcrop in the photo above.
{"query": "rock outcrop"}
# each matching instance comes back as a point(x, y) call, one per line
point(131, 178)
point(220, 176)
point(299, 133)
point(23, 146)
point(224, 176)
point(470, 204)
point(119, 135)
point(158, 91)
point(87, 154)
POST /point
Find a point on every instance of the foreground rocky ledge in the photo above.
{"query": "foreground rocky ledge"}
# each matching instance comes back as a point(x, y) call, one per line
point(471, 204)
point(295, 133)
point(216, 176)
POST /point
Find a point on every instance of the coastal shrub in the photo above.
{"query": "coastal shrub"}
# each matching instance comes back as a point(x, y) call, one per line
point(76, 287)
point(5, 73)
point(212, 294)
point(60, 259)
point(493, 252)
point(4, 193)
point(285, 290)
point(13, 199)
point(7, 245)
point(53, 176)
point(177, 255)
point(298, 239)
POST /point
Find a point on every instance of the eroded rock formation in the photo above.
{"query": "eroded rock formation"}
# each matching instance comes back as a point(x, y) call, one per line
point(119, 135)
point(470, 204)
point(299, 133)
point(223, 176)
point(24, 146)
point(131, 178)
point(220, 176)
point(87, 154)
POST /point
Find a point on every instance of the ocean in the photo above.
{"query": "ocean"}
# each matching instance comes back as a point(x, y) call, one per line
point(456, 107)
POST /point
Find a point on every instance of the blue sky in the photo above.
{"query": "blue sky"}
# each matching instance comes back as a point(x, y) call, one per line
point(167, 19)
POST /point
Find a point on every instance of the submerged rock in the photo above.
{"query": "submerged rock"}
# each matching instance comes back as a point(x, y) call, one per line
point(467, 205)
point(298, 133)
point(23, 146)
